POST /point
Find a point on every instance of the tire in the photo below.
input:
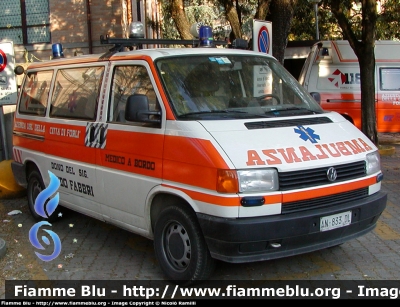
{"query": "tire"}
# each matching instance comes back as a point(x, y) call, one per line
point(35, 186)
point(180, 247)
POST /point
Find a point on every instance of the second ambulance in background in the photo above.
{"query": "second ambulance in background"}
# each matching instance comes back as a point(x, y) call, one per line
point(332, 70)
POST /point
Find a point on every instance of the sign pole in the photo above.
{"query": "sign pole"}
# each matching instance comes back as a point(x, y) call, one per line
point(3, 135)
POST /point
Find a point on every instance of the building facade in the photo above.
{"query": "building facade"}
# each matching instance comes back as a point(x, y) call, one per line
point(34, 25)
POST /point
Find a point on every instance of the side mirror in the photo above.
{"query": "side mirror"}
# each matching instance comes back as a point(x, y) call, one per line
point(316, 96)
point(137, 110)
point(19, 70)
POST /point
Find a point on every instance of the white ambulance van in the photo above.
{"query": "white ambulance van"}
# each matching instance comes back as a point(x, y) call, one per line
point(332, 70)
point(212, 153)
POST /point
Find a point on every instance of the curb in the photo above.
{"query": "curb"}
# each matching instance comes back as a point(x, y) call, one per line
point(386, 150)
point(3, 247)
point(387, 142)
point(389, 138)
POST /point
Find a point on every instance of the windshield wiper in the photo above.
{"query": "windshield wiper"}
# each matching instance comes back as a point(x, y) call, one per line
point(210, 112)
point(300, 109)
point(279, 110)
point(292, 108)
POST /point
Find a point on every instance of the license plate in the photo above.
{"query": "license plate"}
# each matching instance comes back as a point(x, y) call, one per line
point(335, 221)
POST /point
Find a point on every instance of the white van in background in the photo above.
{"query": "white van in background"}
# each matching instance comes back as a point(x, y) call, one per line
point(332, 70)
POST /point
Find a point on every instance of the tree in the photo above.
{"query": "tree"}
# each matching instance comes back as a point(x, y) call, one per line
point(180, 19)
point(233, 13)
point(303, 23)
point(364, 50)
point(388, 21)
point(280, 14)
point(262, 9)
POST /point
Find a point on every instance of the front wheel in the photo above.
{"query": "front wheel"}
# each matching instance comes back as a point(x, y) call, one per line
point(180, 247)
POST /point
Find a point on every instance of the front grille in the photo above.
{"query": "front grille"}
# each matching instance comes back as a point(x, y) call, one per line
point(317, 176)
point(324, 201)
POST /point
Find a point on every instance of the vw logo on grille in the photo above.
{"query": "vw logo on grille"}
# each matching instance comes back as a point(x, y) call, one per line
point(331, 174)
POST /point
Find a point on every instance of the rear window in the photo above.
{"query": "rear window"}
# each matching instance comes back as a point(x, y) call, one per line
point(35, 93)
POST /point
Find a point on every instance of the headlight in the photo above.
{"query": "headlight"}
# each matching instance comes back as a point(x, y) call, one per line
point(373, 163)
point(258, 180)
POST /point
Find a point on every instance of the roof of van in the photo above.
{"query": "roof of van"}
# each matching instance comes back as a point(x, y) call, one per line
point(140, 54)
point(340, 50)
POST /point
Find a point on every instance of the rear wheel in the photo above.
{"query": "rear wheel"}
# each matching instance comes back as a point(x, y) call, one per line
point(180, 247)
point(35, 186)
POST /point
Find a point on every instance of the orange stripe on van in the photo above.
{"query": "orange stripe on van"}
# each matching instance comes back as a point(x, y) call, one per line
point(276, 199)
point(33, 127)
point(141, 153)
point(221, 200)
point(310, 194)
point(192, 161)
point(59, 145)
point(207, 198)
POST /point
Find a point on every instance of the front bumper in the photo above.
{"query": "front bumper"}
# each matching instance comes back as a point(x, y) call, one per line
point(270, 237)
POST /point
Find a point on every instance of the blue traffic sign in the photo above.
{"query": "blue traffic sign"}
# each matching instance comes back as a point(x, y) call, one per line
point(3, 60)
point(263, 40)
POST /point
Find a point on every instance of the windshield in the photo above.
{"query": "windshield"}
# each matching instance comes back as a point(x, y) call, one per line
point(232, 86)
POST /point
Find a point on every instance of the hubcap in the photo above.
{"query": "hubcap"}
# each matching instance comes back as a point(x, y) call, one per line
point(177, 246)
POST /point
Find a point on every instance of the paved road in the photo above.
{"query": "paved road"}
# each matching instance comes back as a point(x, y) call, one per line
point(93, 250)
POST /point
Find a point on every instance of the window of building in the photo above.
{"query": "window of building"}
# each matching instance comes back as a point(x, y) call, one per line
point(25, 21)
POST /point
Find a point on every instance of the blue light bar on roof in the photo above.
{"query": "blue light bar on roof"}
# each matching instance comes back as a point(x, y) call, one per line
point(57, 51)
point(206, 36)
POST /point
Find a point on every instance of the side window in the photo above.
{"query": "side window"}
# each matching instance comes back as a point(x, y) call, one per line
point(35, 93)
point(76, 92)
point(126, 81)
point(390, 79)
